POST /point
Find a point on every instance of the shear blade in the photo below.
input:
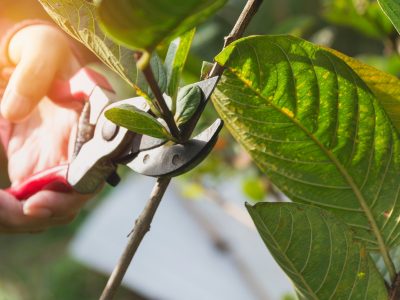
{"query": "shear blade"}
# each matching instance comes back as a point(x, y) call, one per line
point(174, 160)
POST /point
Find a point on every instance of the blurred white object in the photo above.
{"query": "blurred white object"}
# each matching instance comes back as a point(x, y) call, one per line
point(178, 259)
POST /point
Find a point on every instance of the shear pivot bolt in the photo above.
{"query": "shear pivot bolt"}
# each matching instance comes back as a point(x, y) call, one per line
point(109, 131)
point(176, 160)
point(146, 158)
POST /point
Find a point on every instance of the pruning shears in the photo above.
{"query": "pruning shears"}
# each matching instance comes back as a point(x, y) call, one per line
point(101, 145)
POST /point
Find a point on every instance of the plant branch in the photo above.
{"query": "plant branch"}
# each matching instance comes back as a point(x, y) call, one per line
point(237, 31)
point(394, 292)
point(144, 65)
point(142, 226)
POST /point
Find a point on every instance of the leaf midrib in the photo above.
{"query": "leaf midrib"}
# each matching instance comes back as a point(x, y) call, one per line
point(360, 197)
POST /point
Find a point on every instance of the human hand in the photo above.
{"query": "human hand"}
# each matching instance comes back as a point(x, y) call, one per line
point(43, 131)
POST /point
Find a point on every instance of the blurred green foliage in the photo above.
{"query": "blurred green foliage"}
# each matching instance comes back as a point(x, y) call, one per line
point(38, 267)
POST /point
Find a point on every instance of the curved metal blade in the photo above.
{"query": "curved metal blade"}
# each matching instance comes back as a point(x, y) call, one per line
point(174, 160)
point(95, 161)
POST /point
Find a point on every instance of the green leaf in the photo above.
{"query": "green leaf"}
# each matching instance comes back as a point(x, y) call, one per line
point(143, 24)
point(392, 10)
point(386, 87)
point(318, 252)
point(316, 129)
point(363, 15)
point(138, 121)
point(78, 19)
point(189, 98)
point(175, 61)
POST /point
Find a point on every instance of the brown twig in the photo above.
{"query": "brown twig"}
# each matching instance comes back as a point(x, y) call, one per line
point(243, 21)
point(394, 292)
point(142, 226)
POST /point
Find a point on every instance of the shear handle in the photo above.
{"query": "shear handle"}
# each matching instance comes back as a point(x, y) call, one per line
point(53, 179)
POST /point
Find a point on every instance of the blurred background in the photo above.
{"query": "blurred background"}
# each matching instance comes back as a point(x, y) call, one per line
point(202, 242)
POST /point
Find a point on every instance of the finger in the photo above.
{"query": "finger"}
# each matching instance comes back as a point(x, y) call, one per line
point(53, 204)
point(13, 219)
point(27, 86)
point(35, 69)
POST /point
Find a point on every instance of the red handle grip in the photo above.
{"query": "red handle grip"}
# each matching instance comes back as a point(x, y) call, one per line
point(54, 179)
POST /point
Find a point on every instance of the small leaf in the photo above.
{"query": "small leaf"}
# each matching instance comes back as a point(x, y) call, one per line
point(138, 121)
point(175, 61)
point(143, 24)
point(318, 252)
point(392, 10)
point(189, 98)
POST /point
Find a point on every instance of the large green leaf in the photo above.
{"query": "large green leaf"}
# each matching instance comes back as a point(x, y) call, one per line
point(392, 10)
point(78, 18)
point(318, 252)
point(143, 24)
point(316, 129)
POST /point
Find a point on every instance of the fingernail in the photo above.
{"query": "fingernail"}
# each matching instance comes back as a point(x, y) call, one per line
point(38, 212)
point(14, 106)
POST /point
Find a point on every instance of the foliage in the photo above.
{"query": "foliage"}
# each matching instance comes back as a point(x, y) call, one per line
point(143, 24)
point(315, 102)
point(392, 10)
point(24, 257)
point(175, 60)
point(295, 232)
point(189, 98)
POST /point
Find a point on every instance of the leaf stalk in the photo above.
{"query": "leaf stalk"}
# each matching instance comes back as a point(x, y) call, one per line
point(143, 63)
